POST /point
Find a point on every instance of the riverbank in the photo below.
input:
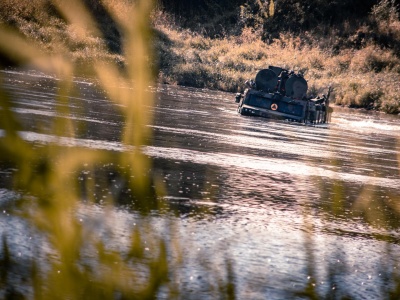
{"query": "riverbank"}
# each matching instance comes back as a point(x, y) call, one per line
point(363, 76)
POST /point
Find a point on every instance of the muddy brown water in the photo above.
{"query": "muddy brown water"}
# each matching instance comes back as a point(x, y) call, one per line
point(286, 204)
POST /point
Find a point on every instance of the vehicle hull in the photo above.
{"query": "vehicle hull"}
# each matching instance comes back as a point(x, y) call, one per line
point(276, 106)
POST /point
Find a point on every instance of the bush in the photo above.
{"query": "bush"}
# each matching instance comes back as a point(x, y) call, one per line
point(373, 59)
point(391, 104)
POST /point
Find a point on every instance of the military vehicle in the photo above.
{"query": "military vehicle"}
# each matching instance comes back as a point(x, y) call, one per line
point(280, 93)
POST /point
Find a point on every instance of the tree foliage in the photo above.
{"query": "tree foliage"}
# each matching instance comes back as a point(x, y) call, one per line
point(287, 15)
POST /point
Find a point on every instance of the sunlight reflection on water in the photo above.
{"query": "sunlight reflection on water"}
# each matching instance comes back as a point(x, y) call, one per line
point(257, 191)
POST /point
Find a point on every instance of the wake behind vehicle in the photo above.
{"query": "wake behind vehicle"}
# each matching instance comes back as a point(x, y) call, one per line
point(282, 94)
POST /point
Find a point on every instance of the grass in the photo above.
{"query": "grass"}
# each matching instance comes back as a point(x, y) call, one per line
point(77, 261)
point(362, 72)
point(364, 78)
point(40, 22)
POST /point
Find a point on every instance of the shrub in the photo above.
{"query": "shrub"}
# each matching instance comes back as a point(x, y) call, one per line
point(357, 94)
point(373, 59)
point(391, 105)
point(385, 11)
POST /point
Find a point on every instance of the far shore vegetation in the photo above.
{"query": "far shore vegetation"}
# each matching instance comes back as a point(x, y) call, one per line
point(353, 46)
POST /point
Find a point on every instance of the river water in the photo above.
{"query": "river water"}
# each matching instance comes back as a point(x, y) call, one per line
point(286, 204)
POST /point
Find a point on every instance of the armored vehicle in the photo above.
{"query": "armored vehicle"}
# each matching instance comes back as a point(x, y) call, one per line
point(280, 93)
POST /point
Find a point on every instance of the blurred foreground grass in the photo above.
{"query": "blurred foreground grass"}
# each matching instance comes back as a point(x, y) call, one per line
point(82, 264)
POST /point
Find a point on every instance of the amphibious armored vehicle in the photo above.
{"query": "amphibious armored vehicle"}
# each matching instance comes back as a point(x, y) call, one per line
point(280, 93)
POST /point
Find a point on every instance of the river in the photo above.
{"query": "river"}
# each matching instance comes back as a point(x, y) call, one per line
point(286, 204)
